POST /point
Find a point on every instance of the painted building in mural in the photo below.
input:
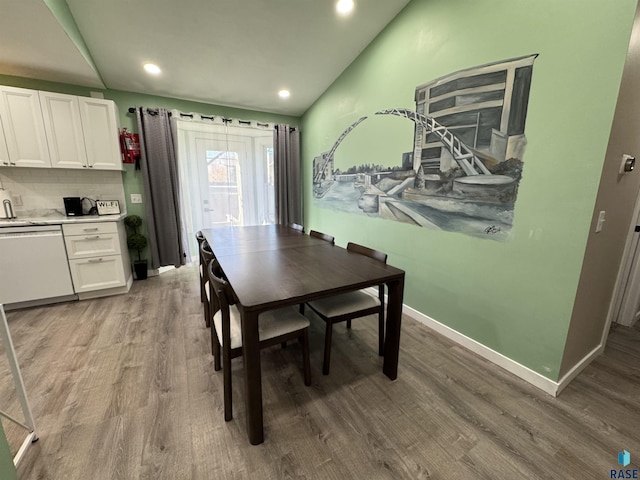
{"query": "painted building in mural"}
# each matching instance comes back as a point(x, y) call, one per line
point(485, 107)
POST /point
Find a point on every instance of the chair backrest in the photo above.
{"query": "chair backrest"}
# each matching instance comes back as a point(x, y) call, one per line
point(296, 227)
point(369, 252)
point(206, 254)
point(220, 286)
point(322, 236)
point(200, 239)
point(223, 293)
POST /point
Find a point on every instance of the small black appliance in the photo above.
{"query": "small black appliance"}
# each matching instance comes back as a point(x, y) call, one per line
point(73, 206)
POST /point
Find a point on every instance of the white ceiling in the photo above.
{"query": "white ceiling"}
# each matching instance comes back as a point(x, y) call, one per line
point(227, 52)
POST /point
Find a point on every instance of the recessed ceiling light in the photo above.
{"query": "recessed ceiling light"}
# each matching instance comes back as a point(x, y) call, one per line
point(343, 7)
point(284, 93)
point(152, 68)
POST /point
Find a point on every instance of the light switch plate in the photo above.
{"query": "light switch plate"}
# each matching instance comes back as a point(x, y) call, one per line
point(600, 221)
point(136, 198)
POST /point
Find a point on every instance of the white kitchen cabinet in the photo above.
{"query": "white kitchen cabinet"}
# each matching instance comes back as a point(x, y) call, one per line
point(100, 128)
point(82, 132)
point(63, 126)
point(97, 254)
point(4, 153)
point(23, 127)
point(97, 273)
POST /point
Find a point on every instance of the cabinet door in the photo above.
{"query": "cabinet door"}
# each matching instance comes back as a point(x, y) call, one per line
point(100, 128)
point(63, 127)
point(23, 127)
point(4, 153)
point(97, 273)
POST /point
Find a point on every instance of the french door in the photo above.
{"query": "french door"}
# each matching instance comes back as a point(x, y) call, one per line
point(226, 178)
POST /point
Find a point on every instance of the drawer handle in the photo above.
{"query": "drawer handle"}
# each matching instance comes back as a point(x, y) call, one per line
point(95, 237)
point(95, 260)
point(95, 229)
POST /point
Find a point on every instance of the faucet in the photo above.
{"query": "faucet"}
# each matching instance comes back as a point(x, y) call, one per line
point(8, 209)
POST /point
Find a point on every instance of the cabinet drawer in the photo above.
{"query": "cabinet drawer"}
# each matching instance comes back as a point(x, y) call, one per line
point(97, 273)
point(88, 245)
point(93, 228)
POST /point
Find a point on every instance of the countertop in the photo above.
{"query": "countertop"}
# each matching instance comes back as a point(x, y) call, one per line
point(59, 219)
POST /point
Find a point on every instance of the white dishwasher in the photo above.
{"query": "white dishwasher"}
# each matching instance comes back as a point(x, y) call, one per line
point(33, 264)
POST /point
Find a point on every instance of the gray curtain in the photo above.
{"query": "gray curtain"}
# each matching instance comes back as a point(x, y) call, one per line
point(286, 167)
point(160, 174)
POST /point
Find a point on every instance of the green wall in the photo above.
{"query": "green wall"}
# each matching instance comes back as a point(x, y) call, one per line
point(515, 297)
point(61, 11)
point(7, 470)
point(132, 179)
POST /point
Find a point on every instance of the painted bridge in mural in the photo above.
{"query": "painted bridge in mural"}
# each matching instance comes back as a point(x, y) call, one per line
point(464, 157)
point(470, 164)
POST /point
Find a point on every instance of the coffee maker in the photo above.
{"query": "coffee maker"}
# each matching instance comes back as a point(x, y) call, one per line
point(73, 206)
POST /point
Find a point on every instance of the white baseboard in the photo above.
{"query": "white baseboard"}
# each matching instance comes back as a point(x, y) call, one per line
point(577, 368)
point(519, 370)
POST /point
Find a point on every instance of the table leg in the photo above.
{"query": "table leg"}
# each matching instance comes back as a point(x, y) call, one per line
point(252, 376)
point(394, 321)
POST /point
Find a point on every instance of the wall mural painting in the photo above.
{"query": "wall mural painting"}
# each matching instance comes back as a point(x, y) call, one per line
point(463, 171)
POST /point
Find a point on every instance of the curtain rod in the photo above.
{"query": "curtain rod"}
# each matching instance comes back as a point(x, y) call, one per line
point(149, 110)
point(211, 117)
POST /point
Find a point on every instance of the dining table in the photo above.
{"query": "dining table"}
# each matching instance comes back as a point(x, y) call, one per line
point(273, 266)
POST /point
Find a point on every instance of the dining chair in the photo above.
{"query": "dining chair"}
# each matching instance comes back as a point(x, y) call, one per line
point(206, 256)
point(347, 306)
point(275, 326)
point(322, 236)
point(203, 273)
point(296, 227)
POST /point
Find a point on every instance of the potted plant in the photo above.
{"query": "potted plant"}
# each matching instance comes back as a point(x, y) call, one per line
point(136, 241)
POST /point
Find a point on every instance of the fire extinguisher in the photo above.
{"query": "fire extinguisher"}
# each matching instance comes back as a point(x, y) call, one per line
point(130, 147)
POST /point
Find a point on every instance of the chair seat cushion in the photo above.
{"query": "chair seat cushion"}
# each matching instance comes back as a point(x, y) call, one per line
point(344, 303)
point(207, 290)
point(200, 270)
point(271, 324)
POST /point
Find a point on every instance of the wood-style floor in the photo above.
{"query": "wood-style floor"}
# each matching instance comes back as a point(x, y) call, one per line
point(124, 388)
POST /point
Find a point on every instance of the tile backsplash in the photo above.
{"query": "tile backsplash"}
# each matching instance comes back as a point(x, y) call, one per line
point(42, 189)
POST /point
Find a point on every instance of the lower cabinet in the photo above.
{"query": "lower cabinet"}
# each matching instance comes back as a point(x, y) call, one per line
point(98, 256)
point(97, 273)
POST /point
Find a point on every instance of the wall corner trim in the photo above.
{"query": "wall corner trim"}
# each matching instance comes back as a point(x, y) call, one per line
point(519, 370)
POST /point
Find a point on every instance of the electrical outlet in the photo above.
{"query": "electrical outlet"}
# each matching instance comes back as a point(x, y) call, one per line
point(17, 200)
point(136, 198)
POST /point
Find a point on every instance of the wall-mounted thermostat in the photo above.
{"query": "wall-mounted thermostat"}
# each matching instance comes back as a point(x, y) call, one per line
point(628, 164)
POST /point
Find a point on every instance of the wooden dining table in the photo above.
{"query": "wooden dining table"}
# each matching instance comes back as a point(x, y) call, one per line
point(272, 266)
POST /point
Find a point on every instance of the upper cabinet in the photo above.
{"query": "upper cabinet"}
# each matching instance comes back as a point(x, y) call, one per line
point(63, 125)
point(58, 130)
point(23, 127)
point(4, 153)
point(100, 126)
